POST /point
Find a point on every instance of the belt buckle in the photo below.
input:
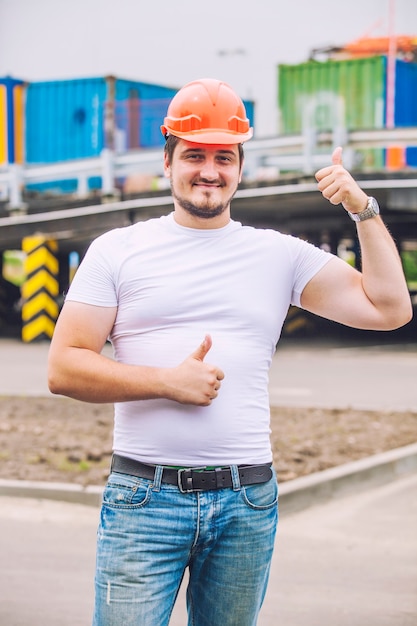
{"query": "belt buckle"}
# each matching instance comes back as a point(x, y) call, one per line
point(187, 472)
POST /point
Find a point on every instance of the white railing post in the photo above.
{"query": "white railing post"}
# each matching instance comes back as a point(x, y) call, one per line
point(16, 203)
point(82, 185)
point(310, 142)
point(108, 173)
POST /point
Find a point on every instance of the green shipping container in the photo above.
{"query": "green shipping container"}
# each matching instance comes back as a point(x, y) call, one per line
point(326, 95)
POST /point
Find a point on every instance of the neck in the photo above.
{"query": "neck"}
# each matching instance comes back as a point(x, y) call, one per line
point(183, 218)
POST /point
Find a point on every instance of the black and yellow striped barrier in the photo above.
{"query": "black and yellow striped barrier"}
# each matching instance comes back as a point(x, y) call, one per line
point(40, 289)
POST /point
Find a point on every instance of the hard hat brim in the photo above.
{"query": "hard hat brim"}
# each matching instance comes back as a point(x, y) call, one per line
point(212, 136)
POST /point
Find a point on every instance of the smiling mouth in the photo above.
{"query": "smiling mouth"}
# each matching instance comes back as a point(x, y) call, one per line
point(208, 185)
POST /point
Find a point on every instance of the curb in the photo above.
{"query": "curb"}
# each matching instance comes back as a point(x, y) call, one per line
point(373, 471)
point(64, 492)
point(294, 495)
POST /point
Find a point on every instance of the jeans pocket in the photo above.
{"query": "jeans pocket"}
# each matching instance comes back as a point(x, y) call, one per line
point(262, 496)
point(123, 491)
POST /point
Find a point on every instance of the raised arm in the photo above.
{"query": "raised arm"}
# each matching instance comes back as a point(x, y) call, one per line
point(76, 367)
point(376, 298)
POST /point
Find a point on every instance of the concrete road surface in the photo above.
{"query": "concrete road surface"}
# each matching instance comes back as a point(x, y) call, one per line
point(314, 373)
point(380, 375)
point(351, 562)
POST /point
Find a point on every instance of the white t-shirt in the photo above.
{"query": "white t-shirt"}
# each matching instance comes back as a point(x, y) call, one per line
point(173, 285)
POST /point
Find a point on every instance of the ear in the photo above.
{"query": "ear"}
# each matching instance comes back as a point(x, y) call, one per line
point(167, 166)
point(241, 170)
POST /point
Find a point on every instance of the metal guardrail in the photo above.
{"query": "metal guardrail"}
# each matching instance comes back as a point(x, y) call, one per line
point(303, 153)
point(60, 215)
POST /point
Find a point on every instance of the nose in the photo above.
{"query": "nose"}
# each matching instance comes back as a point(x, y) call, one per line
point(209, 170)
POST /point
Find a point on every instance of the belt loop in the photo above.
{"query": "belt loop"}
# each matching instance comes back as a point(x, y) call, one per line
point(235, 477)
point(159, 470)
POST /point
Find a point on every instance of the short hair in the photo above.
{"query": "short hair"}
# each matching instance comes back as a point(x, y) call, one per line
point(172, 140)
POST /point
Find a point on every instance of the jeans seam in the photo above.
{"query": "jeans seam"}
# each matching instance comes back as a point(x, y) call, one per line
point(197, 528)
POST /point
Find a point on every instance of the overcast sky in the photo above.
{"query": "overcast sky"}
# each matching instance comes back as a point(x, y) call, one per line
point(171, 42)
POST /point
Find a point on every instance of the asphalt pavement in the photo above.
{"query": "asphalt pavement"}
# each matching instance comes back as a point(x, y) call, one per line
point(349, 559)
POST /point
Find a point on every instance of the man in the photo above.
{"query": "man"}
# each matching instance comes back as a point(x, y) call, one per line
point(194, 303)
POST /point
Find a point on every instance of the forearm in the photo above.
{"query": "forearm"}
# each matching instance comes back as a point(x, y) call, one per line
point(383, 278)
point(377, 298)
point(85, 375)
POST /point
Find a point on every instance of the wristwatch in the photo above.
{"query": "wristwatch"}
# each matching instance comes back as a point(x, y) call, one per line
point(372, 209)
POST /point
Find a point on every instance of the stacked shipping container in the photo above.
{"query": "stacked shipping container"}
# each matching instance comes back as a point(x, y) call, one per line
point(71, 119)
point(347, 94)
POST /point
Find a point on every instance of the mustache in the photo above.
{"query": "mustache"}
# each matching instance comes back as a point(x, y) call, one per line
point(207, 181)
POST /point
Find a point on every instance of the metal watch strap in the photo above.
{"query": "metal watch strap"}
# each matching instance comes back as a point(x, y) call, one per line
point(372, 210)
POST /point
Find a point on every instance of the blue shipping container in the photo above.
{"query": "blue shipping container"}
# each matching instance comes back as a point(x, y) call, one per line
point(72, 119)
point(140, 110)
point(406, 102)
point(64, 119)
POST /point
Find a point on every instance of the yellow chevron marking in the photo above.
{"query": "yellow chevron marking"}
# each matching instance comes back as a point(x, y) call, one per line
point(38, 304)
point(40, 280)
point(40, 326)
point(41, 258)
point(40, 310)
point(36, 241)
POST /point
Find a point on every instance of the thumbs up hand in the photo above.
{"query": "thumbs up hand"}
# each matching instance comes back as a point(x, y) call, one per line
point(339, 187)
point(194, 381)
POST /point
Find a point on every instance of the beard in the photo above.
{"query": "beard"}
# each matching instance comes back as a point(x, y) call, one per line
point(205, 209)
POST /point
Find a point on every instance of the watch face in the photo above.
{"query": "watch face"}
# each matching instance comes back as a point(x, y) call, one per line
point(372, 209)
point(373, 205)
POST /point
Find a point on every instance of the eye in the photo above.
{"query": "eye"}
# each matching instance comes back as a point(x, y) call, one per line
point(193, 156)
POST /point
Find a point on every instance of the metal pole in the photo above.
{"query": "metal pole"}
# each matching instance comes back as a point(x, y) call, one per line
point(392, 53)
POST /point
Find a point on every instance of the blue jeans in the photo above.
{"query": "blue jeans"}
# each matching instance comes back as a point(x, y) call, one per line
point(150, 533)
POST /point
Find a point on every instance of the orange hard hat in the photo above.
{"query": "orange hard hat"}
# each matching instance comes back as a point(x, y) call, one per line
point(207, 111)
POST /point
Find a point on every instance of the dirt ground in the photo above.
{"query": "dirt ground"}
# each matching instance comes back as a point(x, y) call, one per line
point(58, 439)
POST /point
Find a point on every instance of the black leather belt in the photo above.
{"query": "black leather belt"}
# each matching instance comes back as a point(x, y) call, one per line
point(193, 479)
